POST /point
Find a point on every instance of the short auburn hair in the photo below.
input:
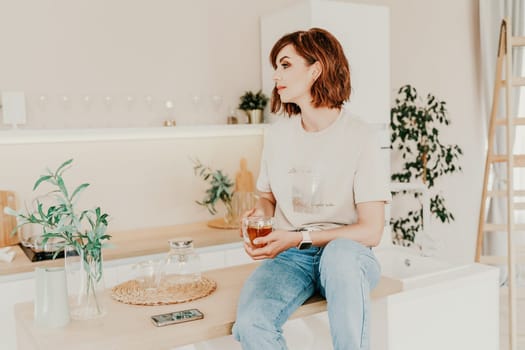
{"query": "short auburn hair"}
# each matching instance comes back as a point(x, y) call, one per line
point(332, 87)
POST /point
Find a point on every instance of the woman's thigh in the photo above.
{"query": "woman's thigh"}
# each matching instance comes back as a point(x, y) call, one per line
point(276, 289)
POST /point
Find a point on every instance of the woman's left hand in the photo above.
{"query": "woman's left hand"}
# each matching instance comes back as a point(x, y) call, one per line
point(274, 243)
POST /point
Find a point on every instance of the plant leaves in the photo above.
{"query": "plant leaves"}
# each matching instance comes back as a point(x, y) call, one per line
point(62, 186)
point(40, 180)
point(62, 167)
point(60, 220)
point(78, 189)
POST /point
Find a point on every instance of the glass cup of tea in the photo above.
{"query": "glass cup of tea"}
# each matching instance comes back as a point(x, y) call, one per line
point(256, 226)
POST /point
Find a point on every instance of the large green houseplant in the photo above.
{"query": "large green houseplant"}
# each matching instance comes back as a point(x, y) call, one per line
point(81, 233)
point(415, 125)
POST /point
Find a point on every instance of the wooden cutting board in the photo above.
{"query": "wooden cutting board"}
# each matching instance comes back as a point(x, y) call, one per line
point(7, 222)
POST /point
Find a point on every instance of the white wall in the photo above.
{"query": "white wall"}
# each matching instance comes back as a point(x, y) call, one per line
point(140, 183)
point(435, 47)
point(170, 50)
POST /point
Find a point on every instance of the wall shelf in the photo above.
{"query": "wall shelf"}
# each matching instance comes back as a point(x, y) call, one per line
point(21, 136)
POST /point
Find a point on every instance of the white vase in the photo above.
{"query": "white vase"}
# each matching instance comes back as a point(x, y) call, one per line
point(51, 303)
point(85, 281)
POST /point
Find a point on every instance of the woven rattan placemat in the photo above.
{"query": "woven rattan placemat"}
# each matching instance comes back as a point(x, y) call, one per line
point(132, 292)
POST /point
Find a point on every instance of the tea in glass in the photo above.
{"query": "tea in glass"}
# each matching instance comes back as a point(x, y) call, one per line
point(256, 226)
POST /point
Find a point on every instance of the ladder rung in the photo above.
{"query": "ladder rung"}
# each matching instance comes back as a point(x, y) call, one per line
point(515, 121)
point(492, 259)
point(498, 259)
point(519, 206)
point(502, 227)
point(519, 160)
point(518, 41)
point(504, 291)
point(516, 81)
point(503, 193)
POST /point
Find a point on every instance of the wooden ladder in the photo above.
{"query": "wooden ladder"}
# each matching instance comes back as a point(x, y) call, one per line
point(504, 58)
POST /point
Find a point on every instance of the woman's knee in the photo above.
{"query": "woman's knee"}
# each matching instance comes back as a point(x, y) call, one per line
point(345, 257)
point(250, 325)
point(243, 327)
point(342, 250)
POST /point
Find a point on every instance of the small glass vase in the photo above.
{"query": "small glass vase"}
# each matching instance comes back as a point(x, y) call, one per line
point(85, 282)
point(229, 217)
point(242, 202)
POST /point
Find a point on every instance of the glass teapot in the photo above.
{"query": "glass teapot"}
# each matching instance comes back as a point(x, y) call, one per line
point(182, 264)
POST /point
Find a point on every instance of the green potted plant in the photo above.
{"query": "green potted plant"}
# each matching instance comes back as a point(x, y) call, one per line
point(221, 188)
point(253, 104)
point(415, 125)
point(80, 233)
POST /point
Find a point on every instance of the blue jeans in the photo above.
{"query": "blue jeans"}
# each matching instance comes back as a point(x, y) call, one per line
point(343, 272)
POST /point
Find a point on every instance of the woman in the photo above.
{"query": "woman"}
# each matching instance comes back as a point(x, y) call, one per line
point(322, 179)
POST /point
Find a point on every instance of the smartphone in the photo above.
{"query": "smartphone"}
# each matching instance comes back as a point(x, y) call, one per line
point(177, 317)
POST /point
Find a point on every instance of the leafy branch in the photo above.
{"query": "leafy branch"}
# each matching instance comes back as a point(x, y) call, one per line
point(84, 230)
point(220, 187)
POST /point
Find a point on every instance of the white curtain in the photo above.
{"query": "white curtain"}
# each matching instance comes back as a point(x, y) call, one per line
point(491, 14)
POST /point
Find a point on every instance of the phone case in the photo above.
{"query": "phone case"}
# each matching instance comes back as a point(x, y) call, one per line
point(176, 317)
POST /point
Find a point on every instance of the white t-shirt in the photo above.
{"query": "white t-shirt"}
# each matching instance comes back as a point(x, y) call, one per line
point(318, 177)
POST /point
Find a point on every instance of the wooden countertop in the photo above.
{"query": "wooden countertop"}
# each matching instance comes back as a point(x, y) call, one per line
point(129, 326)
point(137, 242)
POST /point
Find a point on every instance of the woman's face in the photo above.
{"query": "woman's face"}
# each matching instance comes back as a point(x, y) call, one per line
point(293, 77)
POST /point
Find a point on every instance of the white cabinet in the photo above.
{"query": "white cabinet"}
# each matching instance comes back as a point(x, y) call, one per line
point(364, 33)
point(236, 256)
point(13, 292)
